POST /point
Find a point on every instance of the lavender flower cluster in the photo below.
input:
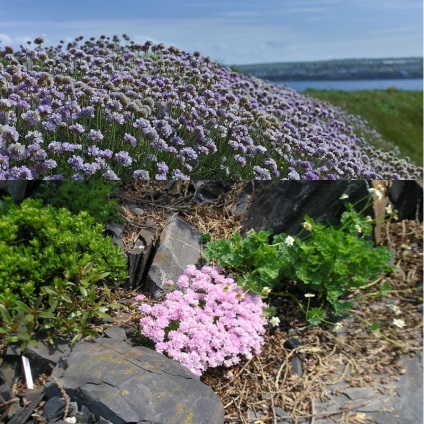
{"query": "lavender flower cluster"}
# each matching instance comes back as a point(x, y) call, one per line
point(206, 322)
point(101, 108)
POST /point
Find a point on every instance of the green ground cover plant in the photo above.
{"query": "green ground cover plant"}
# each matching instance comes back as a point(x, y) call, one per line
point(93, 196)
point(54, 267)
point(323, 261)
point(396, 115)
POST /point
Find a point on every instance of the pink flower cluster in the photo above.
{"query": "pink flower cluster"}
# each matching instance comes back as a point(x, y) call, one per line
point(207, 322)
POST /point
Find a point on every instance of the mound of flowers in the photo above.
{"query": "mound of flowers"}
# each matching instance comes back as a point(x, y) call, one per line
point(121, 110)
point(206, 322)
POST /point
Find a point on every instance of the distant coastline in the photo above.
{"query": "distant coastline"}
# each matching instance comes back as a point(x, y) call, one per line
point(403, 84)
point(338, 70)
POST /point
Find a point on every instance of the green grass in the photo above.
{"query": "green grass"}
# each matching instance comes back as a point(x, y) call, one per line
point(396, 115)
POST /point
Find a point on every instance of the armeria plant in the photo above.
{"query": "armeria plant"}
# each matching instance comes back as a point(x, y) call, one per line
point(110, 110)
point(324, 261)
point(206, 322)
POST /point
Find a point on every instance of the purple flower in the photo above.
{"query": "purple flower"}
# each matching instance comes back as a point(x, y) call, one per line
point(141, 175)
point(162, 167)
point(17, 151)
point(4, 162)
point(110, 175)
point(8, 133)
point(94, 135)
point(77, 128)
point(20, 173)
point(240, 160)
point(130, 139)
point(261, 173)
point(161, 177)
point(123, 158)
point(105, 154)
point(76, 162)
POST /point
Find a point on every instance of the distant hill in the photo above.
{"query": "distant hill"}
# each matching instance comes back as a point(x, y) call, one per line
point(346, 69)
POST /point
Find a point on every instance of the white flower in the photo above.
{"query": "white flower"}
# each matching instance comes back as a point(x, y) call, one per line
point(274, 321)
point(307, 226)
point(358, 228)
point(266, 290)
point(378, 194)
point(344, 196)
point(289, 241)
point(400, 323)
point(368, 218)
point(309, 295)
point(389, 209)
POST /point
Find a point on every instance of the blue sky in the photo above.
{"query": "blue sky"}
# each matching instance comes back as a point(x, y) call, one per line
point(230, 31)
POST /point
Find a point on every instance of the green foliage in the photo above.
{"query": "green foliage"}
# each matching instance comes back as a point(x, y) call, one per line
point(92, 196)
point(52, 268)
point(397, 115)
point(327, 261)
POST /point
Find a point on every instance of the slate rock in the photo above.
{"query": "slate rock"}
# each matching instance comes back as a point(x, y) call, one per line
point(54, 408)
point(16, 189)
point(133, 384)
point(407, 198)
point(178, 247)
point(140, 255)
point(114, 229)
point(116, 333)
point(283, 205)
point(209, 191)
point(44, 356)
point(32, 400)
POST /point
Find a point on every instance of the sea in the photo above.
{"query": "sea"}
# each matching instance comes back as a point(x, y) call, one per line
point(400, 84)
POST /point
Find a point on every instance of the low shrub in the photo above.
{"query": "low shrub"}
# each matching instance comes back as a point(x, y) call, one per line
point(92, 196)
point(52, 263)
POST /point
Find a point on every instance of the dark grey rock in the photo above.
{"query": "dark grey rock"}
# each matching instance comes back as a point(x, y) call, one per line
point(296, 365)
point(407, 198)
point(54, 408)
point(115, 229)
point(103, 421)
point(85, 416)
point(292, 343)
point(116, 333)
point(44, 356)
point(16, 189)
point(209, 191)
point(140, 255)
point(283, 205)
point(178, 247)
point(125, 384)
point(118, 241)
point(32, 400)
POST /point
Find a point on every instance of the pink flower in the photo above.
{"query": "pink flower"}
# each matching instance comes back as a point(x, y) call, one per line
point(215, 325)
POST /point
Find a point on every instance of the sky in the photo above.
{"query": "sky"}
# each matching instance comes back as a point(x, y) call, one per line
point(231, 32)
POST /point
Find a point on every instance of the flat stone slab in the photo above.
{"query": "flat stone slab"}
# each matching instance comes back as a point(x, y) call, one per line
point(134, 384)
point(404, 405)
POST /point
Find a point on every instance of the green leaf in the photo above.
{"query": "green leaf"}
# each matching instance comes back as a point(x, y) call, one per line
point(47, 314)
point(315, 316)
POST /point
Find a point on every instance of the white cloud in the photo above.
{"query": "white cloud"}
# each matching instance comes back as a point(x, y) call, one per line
point(5, 39)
